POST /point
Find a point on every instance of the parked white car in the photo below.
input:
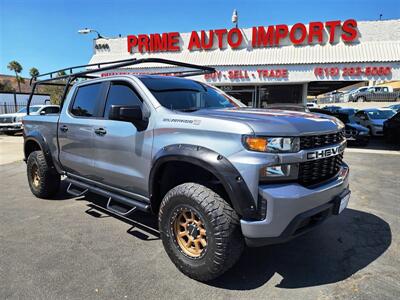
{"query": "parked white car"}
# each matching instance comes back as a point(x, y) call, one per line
point(373, 119)
point(12, 123)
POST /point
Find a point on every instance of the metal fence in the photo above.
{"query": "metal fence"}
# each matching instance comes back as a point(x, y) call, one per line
point(7, 108)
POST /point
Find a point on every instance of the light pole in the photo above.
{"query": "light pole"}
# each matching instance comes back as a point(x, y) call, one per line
point(88, 30)
point(235, 18)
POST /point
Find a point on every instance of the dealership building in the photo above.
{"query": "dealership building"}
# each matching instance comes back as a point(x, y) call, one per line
point(270, 63)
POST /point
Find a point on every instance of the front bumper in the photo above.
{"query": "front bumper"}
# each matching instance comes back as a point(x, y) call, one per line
point(8, 127)
point(293, 209)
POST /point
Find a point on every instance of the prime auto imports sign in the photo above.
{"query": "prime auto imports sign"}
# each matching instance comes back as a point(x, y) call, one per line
point(261, 36)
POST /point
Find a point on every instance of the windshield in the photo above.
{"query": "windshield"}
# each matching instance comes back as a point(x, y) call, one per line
point(380, 114)
point(31, 109)
point(186, 95)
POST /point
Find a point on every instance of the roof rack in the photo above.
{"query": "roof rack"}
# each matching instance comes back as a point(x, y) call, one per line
point(54, 78)
point(109, 65)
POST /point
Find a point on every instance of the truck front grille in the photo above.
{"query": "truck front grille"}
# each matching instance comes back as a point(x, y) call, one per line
point(319, 170)
point(6, 119)
point(315, 141)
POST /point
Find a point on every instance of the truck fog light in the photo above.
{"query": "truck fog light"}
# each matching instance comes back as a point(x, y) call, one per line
point(279, 173)
point(275, 171)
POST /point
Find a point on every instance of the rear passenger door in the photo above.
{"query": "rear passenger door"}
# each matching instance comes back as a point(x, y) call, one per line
point(76, 129)
point(123, 153)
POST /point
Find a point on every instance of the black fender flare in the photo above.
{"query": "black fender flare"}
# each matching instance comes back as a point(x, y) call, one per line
point(237, 190)
point(38, 138)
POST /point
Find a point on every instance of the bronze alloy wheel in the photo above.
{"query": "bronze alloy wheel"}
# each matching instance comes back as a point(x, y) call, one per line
point(35, 175)
point(190, 233)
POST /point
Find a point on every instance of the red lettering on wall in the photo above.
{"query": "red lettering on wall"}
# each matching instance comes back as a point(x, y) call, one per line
point(173, 41)
point(315, 29)
point(194, 41)
point(350, 30)
point(132, 42)
point(332, 25)
point(281, 32)
point(158, 43)
point(260, 38)
point(298, 27)
point(210, 43)
point(220, 34)
point(239, 38)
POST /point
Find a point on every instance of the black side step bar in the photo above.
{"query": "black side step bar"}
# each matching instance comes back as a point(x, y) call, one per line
point(77, 192)
point(110, 195)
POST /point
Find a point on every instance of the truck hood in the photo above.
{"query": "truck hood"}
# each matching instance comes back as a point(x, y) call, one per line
point(276, 122)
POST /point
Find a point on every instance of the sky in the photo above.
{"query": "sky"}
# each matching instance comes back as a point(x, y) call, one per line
point(43, 33)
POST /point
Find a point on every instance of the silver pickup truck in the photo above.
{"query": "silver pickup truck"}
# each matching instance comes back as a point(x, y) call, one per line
point(374, 93)
point(217, 174)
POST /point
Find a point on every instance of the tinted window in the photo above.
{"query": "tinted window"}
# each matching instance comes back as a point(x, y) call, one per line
point(86, 100)
point(52, 110)
point(183, 94)
point(121, 94)
point(380, 114)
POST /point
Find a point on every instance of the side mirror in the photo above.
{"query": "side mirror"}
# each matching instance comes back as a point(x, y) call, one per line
point(43, 112)
point(132, 114)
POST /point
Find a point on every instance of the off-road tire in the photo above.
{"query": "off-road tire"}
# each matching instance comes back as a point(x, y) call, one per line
point(48, 181)
point(225, 242)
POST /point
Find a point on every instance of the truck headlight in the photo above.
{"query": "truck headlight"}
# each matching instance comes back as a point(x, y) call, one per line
point(272, 144)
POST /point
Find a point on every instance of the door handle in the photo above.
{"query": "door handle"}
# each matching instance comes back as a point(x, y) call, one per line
point(64, 128)
point(100, 131)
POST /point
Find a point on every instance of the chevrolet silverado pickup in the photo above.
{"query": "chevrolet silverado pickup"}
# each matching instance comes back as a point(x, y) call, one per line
point(217, 174)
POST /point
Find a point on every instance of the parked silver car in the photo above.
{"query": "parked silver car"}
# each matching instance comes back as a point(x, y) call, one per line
point(373, 119)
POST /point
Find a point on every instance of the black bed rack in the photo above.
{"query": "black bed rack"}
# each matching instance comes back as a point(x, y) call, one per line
point(54, 78)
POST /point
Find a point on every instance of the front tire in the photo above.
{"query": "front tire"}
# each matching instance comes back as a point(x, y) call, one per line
point(43, 182)
point(200, 231)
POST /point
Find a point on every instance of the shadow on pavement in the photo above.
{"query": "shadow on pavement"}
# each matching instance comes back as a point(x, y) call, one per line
point(144, 225)
point(331, 253)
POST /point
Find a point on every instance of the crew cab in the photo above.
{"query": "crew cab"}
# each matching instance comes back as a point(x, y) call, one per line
point(217, 174)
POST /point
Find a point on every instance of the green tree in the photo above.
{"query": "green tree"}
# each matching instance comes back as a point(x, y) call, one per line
point(17, 68)
point(33, 72)
point(6, 86)
point(61, 73)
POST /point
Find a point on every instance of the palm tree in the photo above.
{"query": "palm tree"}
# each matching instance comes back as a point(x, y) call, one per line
point(33, 72)
point(17, 68)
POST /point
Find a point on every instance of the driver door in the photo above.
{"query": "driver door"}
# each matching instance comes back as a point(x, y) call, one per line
point(122, 153)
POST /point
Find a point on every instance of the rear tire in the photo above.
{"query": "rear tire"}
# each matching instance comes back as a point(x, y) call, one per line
point(214, 246)
point(43, 182)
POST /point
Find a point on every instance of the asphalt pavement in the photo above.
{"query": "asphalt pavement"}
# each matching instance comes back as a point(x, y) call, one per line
point(69, 248)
